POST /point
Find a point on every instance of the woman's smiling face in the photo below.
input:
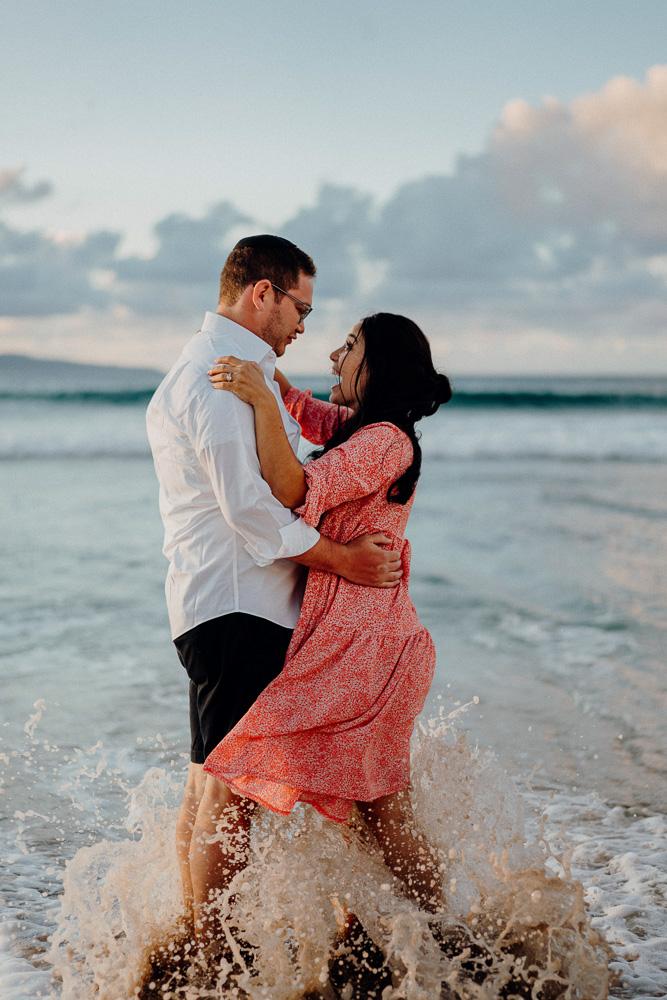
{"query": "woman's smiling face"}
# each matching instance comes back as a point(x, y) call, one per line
point(346, 362)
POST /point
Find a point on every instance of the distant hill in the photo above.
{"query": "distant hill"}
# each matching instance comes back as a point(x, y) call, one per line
point(19, 373)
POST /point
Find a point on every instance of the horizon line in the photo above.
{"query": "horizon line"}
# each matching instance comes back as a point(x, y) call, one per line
point(313, 374)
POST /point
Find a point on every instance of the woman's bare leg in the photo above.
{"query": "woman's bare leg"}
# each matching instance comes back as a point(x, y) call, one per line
point(405, 850)
point(215, 860)
point(194, 789)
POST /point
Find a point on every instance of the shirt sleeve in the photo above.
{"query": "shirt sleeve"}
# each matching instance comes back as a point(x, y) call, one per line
point(223, 430)
point(318, 419)
point(370, 460)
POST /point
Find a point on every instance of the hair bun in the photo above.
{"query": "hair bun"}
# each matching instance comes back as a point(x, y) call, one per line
point(443, 389)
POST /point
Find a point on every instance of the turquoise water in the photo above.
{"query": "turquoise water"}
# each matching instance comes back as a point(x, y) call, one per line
point(539, 536)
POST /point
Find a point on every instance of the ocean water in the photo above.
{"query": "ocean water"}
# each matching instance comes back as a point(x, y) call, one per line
point(539, 538)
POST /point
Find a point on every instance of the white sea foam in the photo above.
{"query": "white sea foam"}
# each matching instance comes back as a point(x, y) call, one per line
point(529, 860)
point(621, 858)
point(120, 897)
point(42, 430)
point(565, 647)
point(535, 434)
point(19, 979)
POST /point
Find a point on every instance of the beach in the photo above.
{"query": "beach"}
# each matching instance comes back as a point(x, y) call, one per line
point(538, 538)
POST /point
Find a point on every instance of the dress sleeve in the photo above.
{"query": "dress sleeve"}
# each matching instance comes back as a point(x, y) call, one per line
point(371, 460)
point(318, 420)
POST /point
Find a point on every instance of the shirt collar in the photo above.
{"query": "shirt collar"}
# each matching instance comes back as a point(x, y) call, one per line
point(252, 347)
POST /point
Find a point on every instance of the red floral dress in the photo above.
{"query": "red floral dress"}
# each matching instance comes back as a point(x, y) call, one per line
point(334, 727)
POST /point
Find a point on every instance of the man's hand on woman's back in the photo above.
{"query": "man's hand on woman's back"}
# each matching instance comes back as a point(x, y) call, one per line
point(371, 563)
point(365, 560)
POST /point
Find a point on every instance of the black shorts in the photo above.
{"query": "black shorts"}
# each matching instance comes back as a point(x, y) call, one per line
point(229, 660)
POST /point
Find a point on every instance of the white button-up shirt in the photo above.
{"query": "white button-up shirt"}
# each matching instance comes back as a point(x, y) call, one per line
point(226, 537)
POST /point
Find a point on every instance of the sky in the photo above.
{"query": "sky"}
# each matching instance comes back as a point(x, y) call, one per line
point(495, 171)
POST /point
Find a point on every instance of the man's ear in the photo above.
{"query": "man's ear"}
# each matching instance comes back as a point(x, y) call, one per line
point(261, 293)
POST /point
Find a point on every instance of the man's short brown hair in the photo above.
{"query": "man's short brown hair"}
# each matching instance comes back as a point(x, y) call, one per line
point(257, 257)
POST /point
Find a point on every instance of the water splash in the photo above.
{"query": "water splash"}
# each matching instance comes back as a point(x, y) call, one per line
point(122, 898)
point(35, 719)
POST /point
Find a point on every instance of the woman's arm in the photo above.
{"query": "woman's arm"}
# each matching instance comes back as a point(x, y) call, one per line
point(280, 467)
point(317, 419)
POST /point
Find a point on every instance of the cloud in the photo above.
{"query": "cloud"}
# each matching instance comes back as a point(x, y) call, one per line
point(558, 225)
point(335, 232)
point(566, 206)
point(600, 161)
point(446, 238)
point(42, 276)
point(45, 274)
point(183, 273)
point(12, 188)
point(188, 248)
point(190, 251)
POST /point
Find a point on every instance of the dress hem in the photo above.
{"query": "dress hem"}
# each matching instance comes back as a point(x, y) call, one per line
point(299, 798)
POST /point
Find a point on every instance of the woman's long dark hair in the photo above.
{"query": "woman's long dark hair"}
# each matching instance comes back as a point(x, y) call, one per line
point(401, 387)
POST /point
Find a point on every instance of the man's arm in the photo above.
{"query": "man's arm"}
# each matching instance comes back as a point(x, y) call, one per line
point(362, 561)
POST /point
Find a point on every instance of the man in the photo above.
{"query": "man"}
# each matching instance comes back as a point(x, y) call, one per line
point(235, 578)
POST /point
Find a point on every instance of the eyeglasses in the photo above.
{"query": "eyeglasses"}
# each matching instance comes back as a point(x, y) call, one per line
point(303, 308)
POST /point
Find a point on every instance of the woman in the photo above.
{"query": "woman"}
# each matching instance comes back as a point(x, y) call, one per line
point(333, 729)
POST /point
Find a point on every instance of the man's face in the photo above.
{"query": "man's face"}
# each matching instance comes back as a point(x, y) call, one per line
point(285, 322)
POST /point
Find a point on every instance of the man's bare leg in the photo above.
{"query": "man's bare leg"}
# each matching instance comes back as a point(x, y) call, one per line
point(192, 794)
point(214, 861)
point(404, 848)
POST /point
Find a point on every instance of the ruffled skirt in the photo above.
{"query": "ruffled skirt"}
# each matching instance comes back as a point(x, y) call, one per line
point(334, 727)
